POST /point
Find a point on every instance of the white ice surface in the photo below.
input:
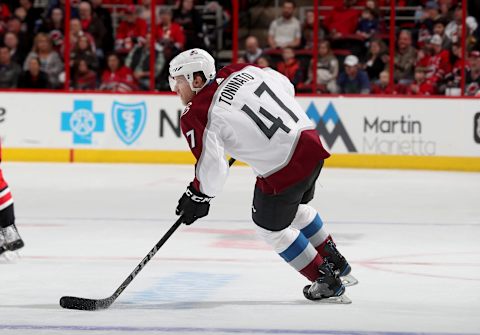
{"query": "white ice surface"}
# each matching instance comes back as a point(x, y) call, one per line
point(411, 237)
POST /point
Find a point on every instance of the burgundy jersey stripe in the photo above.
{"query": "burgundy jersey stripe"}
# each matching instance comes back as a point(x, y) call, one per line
point(308, 154)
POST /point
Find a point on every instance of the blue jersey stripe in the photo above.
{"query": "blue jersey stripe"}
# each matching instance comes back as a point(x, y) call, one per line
point(295, 248)
point(313, 227)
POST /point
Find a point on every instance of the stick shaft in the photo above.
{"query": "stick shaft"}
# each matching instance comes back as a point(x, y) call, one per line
point(147, 258)
point(96, 304)
point(152, 252)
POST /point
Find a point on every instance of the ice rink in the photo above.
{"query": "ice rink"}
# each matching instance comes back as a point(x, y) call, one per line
point(412, 238)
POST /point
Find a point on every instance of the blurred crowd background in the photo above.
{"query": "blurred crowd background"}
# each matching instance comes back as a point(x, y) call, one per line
point(341, 47)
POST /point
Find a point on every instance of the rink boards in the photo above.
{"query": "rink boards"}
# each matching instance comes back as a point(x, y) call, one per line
point(373, 132)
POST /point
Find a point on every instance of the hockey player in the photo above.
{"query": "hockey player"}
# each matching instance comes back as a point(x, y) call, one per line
point(10, 240)
point(251, 114)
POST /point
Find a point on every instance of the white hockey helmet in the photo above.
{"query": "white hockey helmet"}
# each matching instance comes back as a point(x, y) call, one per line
point(189, 62)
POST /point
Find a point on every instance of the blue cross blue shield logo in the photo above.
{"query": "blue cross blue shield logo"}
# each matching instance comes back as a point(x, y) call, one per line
point(82, 121)
point(129, 120)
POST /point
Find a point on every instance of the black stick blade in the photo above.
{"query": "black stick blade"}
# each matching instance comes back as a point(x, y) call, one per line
point(78, 303)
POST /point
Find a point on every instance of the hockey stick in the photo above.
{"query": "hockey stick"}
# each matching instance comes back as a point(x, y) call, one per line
point(85, 304)
point(95, 304)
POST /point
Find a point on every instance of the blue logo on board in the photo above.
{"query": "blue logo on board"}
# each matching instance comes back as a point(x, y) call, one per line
point(83, 121)
point(338, 130)
point(129, 120)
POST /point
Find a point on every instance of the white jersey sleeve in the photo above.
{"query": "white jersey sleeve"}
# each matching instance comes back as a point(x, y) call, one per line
point(212, 167)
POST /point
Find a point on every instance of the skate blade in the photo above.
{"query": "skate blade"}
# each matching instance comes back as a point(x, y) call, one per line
point(9, 257)
point(349, 280)
point(341, 300)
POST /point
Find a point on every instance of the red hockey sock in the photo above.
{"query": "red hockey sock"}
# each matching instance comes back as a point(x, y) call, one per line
point(311, 270)
point(321, 247)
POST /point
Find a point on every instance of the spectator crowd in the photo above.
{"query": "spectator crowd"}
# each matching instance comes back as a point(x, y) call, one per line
point(110, 49)
point(353, 54)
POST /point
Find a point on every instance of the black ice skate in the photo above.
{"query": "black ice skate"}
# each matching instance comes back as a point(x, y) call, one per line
point(2, 243)
point(10, 239)
point(339, 264)
point(326, 288)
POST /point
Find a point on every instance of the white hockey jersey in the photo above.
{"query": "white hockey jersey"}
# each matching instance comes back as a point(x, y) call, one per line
point(251, 114)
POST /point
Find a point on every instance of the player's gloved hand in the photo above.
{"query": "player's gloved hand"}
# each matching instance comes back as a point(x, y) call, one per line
point(193, 205)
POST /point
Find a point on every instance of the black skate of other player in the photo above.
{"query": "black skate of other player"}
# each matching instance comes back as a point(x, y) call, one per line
point(10, 240)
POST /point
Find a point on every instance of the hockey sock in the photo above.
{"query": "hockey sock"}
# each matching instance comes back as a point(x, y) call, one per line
point(311, 225)
point(321, 248)
point(295, 249)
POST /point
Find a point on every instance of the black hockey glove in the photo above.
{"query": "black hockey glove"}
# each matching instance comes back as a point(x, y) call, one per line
point(193, 205)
